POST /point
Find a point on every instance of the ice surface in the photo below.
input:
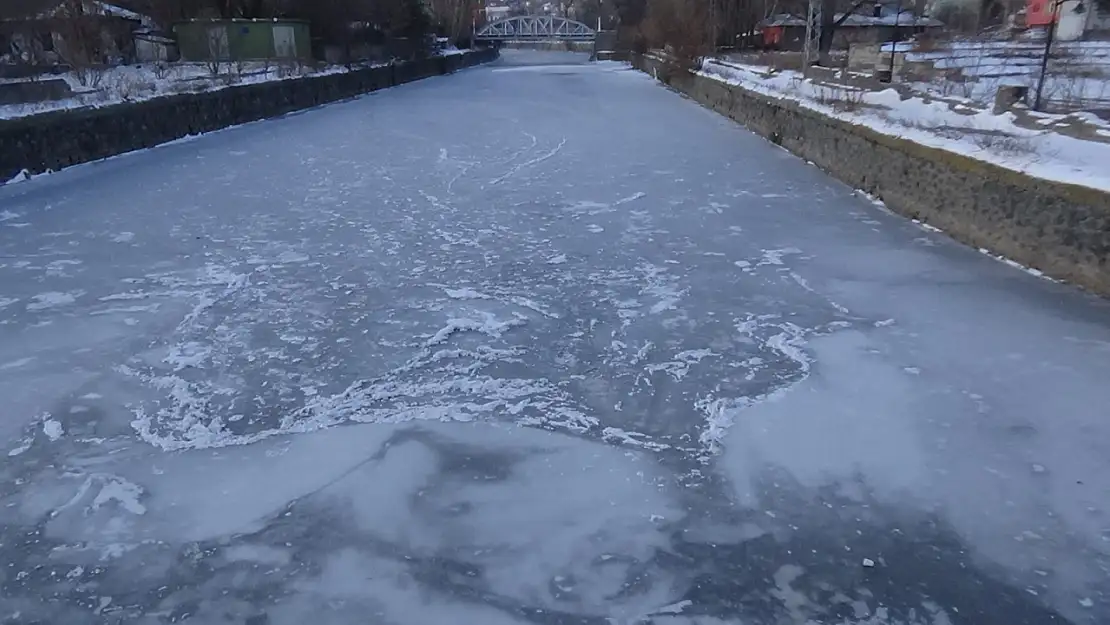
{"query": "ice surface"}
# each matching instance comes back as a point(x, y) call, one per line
point(345, 381)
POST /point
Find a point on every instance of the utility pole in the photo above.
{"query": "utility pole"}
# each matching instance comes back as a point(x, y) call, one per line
point(1047, 51)
point(894, 37)
point(812, 50)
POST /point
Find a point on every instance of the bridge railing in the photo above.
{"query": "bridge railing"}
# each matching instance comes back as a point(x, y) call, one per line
point(535, 28)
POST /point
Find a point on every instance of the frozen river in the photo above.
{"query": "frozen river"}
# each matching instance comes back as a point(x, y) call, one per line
point(538, 342)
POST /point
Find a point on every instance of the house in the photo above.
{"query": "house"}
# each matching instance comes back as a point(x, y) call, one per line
point(1074, 19)
point(876, 24)
point(495, 13)
point(243, 39)
point(44, 33)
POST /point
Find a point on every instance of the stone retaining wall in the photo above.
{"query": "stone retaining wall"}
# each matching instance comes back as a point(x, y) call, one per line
point(52, 141)
point(1060, 229)
point(34, 91)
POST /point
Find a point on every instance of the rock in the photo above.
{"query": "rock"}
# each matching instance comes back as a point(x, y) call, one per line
point(1008, 96)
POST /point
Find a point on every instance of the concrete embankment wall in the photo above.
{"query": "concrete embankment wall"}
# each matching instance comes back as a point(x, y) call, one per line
point(52, 141)
point(1060, 229)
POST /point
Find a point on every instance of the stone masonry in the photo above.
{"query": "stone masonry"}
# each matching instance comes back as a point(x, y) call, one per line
point(1060, 229)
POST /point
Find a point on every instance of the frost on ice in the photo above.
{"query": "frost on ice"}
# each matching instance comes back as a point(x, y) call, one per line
point(402, 378)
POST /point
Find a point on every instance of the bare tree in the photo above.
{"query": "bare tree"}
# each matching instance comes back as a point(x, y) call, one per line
point(630, 18)
point(81, 39)
point(830, 20)
point(454, 18)
point(682, 28)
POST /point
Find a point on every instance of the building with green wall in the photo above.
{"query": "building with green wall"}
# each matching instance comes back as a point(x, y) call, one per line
point(243, 39)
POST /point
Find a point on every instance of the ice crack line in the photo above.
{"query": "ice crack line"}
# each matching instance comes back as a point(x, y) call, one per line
point(535, 161)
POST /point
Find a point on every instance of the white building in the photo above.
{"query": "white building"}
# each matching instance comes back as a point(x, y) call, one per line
point(494, 13)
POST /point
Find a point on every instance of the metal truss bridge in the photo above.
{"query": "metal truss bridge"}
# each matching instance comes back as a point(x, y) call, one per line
point(535, 28)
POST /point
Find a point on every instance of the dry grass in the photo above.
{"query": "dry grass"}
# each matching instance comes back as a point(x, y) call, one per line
point(289, 68)
point(1001, 143)
point(840, 98)
point(988, 140)
point(129, 88)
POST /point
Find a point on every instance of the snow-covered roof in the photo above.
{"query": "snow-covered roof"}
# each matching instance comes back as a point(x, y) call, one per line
point(905, 18)
point(111, 9)
point(901, 46)
point(44, 9)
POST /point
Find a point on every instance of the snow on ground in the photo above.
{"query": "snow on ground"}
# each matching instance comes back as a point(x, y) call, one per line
point(937, 123)
point(1078, 74)
point(665, 373)
point(135, 83)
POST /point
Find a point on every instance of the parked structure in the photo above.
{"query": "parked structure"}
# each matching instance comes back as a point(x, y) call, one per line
point(1074, 18)
point(788, 32)
point(243, 39)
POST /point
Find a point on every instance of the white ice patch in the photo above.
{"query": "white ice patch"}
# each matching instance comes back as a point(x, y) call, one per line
point(488, 325)
point(674, 608)
point(558, 259)
point(17, 364)
point(849, 421)
point(20, 449)
point(465, 293)
point(51, 299)
point(631, 198)
point(122, 492)
point(53, 429)
point(1016, 265)
point(190, 354)
point(148, 308)
point(774, 257)
point(633, 439)
point(680, 365)
point(437, 383)
point(123, 237)
point(719, 414)
point(511, 528)
point(662, 286)
point(289, 256)
point(925, 226)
